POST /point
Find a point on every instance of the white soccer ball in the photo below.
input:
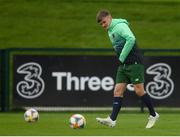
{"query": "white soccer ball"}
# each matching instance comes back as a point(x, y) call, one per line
point(31, 115)
point(77, 121)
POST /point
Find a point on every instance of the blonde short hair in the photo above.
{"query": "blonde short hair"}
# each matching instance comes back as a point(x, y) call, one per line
point(101, 14)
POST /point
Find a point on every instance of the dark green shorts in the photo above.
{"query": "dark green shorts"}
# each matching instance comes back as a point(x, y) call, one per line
point(131, 74)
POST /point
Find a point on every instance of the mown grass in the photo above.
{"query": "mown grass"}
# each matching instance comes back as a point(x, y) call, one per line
point(58, 124)
point(67, 23)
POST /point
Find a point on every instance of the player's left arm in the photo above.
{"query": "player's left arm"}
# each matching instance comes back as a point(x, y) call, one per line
point(127, 34)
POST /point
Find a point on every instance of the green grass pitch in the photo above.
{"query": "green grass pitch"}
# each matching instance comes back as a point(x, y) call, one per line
point(57, 123)
point(72, 23)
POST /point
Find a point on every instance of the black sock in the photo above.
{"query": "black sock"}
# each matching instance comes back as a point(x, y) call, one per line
point(116, 107)
point(147, 100)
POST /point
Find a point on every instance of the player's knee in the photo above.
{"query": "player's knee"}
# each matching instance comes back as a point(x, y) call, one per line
point(140, 93)
point(139, 89)
point(119, 90)
point(118, 93)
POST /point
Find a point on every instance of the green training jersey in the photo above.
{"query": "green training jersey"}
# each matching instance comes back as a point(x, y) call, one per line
point(122, 39)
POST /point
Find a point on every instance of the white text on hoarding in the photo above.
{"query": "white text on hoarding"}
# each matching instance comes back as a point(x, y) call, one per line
point(94, 83)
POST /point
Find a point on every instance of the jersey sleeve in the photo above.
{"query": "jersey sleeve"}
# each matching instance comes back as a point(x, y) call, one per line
point(125, 32)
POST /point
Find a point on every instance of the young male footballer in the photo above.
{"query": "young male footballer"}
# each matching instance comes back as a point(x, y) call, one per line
point(130, 70)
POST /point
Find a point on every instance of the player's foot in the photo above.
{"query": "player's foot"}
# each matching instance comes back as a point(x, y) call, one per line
point(106, 121)
point(152, 121)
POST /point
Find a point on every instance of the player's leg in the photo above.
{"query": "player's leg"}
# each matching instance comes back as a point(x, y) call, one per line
point(119, 89)
point(139, 89)
point(117, 103)
point(137, 78)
